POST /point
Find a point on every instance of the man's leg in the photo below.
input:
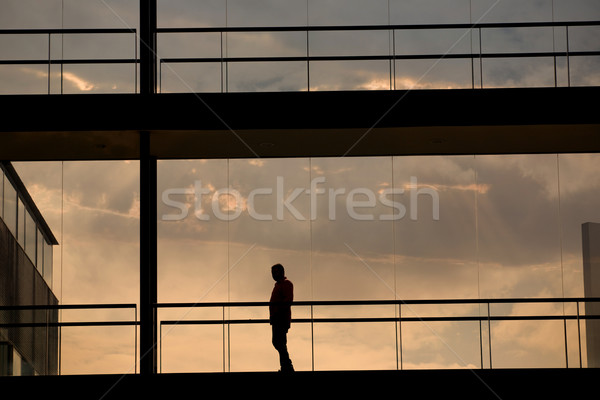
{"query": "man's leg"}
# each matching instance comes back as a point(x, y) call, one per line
point(280, 344)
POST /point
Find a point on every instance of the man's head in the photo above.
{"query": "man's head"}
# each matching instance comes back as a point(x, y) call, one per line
point(277, 272)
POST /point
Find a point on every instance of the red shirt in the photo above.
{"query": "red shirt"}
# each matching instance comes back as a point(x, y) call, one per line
point(280, 309)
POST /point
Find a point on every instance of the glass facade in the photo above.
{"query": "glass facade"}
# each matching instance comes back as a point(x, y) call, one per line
point(10, 206)
point(355, 228)
point(93, 209)
point(28, 344)
point(377, 228)
point(200, 60)
point(26, 230)
point(347, 229)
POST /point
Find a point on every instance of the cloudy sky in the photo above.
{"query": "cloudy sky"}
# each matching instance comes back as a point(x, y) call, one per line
point(345, 228)
point(503, 229)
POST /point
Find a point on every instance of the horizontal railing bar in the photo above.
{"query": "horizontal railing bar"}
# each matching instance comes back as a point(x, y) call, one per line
point(313, 28)
point(67, 306)
point(384, 319)
point(304, 320)
point(65, 31)
point(71, 61)
point(67, 324)
point(386, 302)
point(176, 60)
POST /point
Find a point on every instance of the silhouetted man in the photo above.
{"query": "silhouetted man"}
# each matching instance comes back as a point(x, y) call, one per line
point(280, 315)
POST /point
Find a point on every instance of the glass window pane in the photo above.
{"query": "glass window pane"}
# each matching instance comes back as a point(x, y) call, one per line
point(518, 226)
point(348, 12)
point(192, 241)
point(269, 44)
point(266, 76)
point(432, 74)
point(197, 13)
point(21, 222)
point(99, 78)
point(435, 240)
point(583, 71)
point(580, 218)
point(266, 13)
point(24, 79)
point(350, 75)
point(40, 252)
point(193, 45)
point(10, 206)
point(191, 77)
point(518, 72)
point(48, 264)
point(429, 12)
point(30, 237)
point(93, 210)
point(352, 234)
point(350, 43)
point(271, 227)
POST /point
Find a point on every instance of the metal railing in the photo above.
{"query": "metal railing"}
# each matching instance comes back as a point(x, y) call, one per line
point(10, 316)
point(475, 30)
point(403, 313)
point(53, 59)
point(484, 319)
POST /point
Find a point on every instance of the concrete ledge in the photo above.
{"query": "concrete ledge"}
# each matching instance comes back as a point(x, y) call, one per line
point(421, 384)
point(301, 124)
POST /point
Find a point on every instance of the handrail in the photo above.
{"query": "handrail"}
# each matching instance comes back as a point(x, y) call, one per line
point(388, 302)
point(68, 306)
point(482, 316)
point(381, 57)
point(58, 324)
point(323, 28)
point(65, 31)
point(307, 58)
point(474, 55)
point(49, 61)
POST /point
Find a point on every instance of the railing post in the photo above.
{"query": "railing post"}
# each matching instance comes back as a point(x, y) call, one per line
point(489, 333)
point(147, 39)
point(579, 334)
point(480, 336)
point(399, 336)
point(566, 340)
point(312, 337)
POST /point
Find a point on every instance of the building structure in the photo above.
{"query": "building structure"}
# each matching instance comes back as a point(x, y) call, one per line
point(28, 332)
point(148, 126)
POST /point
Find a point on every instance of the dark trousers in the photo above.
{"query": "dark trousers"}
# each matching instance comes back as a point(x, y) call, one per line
point(280, 343)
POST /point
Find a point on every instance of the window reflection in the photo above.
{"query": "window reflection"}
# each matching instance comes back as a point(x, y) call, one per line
point(422, 227)
point(363, 228)
point(435, 242)
point(20, 221)
point(93, 209)
point(518, 227)
point(192, 251)
point(10, 206)
point(40, 251)
point(30, 236)
point(352, 233)
point(48, 263)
